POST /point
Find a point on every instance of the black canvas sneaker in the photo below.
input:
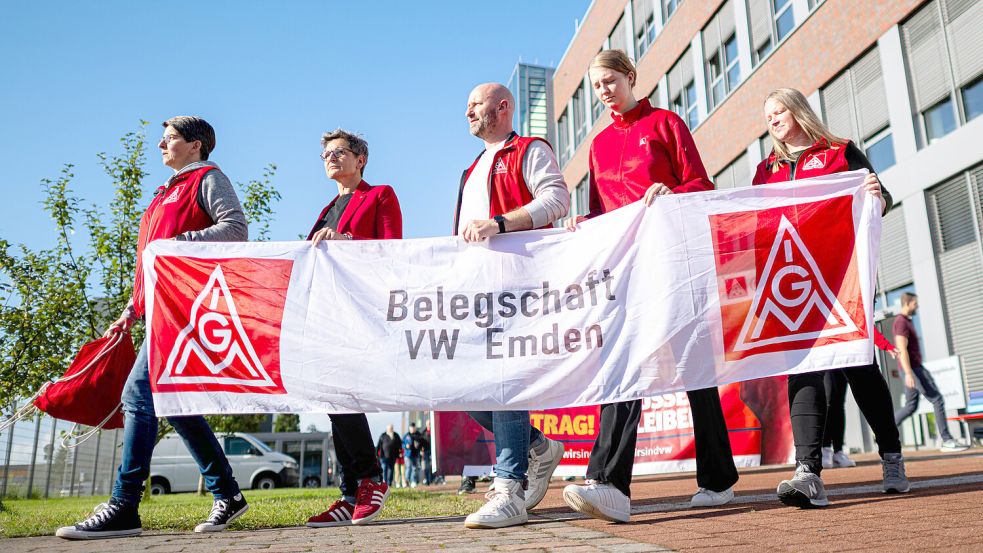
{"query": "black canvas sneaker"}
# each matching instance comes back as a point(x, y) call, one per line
point(109, 520)
point(224, 511)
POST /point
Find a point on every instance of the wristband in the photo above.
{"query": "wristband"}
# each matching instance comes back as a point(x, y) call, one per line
point(501, 223)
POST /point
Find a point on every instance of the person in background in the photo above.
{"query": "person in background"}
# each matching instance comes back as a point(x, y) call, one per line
point(917, 379)
point(426, 463)
point(804, 147)
point(388, 448)
point(411, 455)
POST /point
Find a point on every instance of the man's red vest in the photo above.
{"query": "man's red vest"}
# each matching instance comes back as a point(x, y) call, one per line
point(507, 188)
point(174, 210)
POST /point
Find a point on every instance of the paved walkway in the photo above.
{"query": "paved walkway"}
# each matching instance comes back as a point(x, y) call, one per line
point(942, 513)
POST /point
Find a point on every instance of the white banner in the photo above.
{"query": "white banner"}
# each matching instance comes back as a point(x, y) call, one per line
point(695, 291)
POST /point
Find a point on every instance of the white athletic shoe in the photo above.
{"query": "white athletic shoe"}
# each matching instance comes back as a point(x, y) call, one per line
point(952, 445)
point(827, 457)
point(709, 498)
point(540, 470)
point(506, 506)
point(842, 460)
point(598, 500)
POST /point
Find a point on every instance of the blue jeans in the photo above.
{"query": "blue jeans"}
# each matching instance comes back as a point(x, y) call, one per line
point(513, 435)
point(388, 470)
point(412, 470)
point(140, 435)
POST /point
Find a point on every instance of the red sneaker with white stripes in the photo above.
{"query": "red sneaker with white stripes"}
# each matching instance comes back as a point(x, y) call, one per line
point(369, 500)
point(338, 514)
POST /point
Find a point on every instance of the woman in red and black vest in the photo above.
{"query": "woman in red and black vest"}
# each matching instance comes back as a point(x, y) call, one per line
point(197, 203)
point(645, 152)
point(804, 147)
point(360, 211)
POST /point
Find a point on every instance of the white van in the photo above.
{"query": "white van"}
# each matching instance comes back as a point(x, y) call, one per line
point(254, 465)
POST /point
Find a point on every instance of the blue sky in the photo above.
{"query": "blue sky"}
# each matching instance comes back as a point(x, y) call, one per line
point(270, 77)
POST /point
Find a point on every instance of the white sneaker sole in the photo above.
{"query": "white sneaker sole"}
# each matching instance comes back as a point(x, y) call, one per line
point(72, 533)
point(712, 503)
point(581, 505)
point(505, 523)
point(375, 515)
point(205, 527)
point(329, 524)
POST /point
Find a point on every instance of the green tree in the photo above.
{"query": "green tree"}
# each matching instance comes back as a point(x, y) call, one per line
point(286, 422)
point(258, 199)
point(50, 304)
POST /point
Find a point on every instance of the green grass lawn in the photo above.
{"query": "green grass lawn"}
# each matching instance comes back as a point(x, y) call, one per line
point(181, 512)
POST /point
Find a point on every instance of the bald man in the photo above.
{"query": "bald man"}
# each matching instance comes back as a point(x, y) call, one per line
point(514, 184)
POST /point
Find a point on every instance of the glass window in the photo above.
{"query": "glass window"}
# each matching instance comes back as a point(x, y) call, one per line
point(784, 18)
point(582, 197)
point(692, 117)
point(237, 446)
point(643, 16)
point(669, 8)
point(618, 39)
point(579, 116)
point(973, 99)
point(940, 120)
point(880, 151)
point(563, 137)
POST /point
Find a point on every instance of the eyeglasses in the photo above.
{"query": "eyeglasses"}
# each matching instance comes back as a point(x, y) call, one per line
point(337, 153)
point(168, 138)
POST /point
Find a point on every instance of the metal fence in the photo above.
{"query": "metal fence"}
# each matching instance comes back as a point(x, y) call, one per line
point(35, 464)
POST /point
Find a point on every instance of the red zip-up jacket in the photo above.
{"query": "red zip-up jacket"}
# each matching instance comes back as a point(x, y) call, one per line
point(822, 158)
point(641, 147)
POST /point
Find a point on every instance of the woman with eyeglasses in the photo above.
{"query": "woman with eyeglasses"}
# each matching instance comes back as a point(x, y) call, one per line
point(360, 211)
point(804, 147)
point(646, 152)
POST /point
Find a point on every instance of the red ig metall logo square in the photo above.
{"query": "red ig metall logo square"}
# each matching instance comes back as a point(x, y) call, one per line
point(787, 278)
point(216, 324)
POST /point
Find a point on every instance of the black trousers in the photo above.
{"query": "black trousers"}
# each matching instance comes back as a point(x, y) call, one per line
point(613, 454)
point(807, 407)
point(355, 450)
point(835, 383)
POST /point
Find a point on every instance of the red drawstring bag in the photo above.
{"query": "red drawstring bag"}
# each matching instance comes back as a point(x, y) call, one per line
point(89, 392)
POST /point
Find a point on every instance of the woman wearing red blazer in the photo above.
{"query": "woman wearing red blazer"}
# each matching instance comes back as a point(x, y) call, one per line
point(804, 147)
point(359, 212)
point(644, 153)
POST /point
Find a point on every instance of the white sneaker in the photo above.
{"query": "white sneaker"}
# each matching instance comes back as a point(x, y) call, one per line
point(506, 507)
point(953, 445)
point(842, 460)
point(827, 457)
point(540, 470)
point(598, 500)
point(709, 498)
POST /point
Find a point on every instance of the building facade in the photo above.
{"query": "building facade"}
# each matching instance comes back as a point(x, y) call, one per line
point(903, 79)
point(531, 85)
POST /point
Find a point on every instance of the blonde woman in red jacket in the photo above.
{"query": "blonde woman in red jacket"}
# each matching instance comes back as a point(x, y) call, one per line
point(804, 147)
point(645, 152)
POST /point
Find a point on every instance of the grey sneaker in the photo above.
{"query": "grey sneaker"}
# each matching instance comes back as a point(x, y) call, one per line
point(540, 470)
point(805, 490)
point(952, 445)
point(895, 480)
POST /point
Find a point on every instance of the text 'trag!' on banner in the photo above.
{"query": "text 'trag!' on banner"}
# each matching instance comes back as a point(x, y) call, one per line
point(695, 291)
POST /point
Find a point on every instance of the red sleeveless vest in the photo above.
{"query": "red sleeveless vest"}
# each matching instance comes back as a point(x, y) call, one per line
point(507, 188)
point(173, 210)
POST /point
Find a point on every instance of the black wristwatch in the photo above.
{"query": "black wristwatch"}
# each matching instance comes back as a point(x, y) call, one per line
point(501, 223)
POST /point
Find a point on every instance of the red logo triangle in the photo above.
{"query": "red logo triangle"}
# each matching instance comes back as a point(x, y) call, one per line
point(792, 301)
point(214, 348)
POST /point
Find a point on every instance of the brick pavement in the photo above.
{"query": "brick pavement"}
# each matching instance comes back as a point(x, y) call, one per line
point(942, 513)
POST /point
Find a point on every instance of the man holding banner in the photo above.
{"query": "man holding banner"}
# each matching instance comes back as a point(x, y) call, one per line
point(515, 184)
